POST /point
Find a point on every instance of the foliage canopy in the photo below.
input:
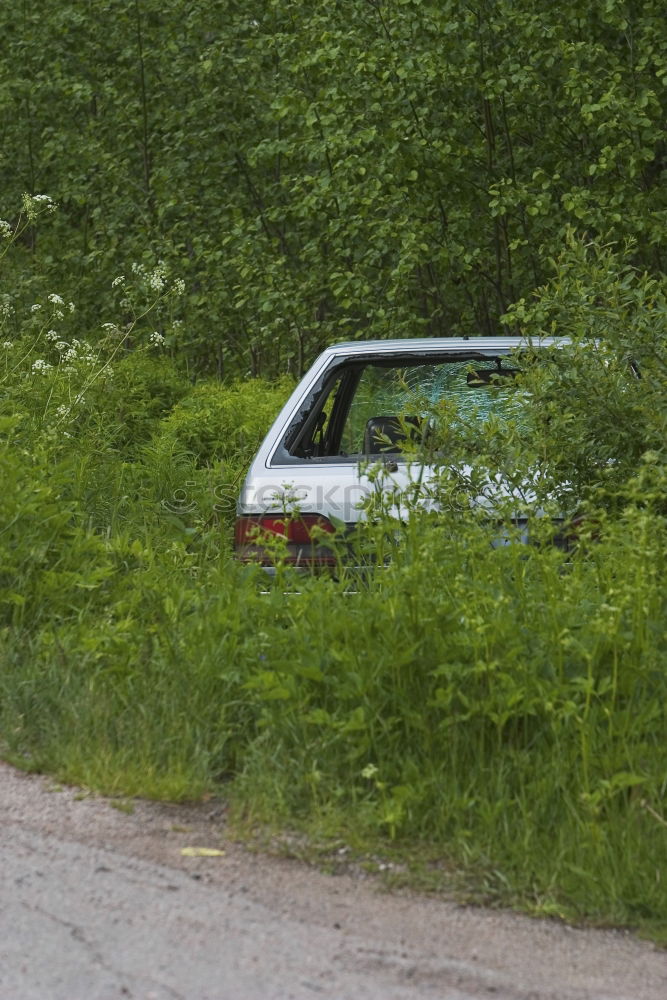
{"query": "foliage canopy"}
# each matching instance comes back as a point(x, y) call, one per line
point(324, 170)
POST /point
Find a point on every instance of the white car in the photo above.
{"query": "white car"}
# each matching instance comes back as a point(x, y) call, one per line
point(345, 423)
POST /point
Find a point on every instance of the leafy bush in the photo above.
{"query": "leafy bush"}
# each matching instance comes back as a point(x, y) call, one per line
point(49, 565)
point(224, 422)
point(602, 404)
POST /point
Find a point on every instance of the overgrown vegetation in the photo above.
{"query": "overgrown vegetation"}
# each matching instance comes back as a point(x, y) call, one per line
point(233, 194)
point(504, 707)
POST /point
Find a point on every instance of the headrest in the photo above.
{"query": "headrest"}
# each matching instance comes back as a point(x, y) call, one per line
point(384, 433)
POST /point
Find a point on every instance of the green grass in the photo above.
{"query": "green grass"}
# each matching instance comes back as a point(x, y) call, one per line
point(504, 706)
point(491, 719)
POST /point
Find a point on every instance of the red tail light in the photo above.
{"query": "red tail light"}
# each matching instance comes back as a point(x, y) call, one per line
point(253, 535)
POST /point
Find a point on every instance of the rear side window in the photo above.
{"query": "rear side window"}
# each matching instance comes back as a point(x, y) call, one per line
point(365, 408)
point(475, 391)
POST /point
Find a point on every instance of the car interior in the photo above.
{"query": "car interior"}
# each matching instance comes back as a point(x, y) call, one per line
point(373, 408)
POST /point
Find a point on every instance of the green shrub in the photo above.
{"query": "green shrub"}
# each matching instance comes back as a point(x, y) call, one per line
point(601, 406)
point(217, 422)
point(50, 566)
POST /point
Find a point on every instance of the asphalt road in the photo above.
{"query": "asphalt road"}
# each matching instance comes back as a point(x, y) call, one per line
point(98, 904)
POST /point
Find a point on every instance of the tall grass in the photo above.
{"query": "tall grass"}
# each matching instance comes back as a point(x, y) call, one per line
point(502, 707)
point(506, 705)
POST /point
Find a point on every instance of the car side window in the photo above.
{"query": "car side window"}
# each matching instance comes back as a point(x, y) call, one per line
point(368, 408)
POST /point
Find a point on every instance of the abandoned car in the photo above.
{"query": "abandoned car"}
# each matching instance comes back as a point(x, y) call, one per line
point(347, 424)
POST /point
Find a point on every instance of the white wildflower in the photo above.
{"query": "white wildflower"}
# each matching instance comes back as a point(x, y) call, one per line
point(6, 307)
point(138, 268)
point(62, 345)
point(120, 280)
point(156, 279)
point(71, 306)
point(56, 299)
point(179, 286)
point(41, 366)
point(7, 344)
point(51, 335)
point(70, 355)
point(35, 307)
point(5, 230)
point(110, 327)
point(156, 338)
point(33, 204)
point(63, 411)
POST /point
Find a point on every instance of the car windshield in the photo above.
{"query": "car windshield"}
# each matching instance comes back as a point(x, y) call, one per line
point(376, 406)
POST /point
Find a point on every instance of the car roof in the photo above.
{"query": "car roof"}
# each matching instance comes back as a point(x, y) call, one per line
point(435, 345)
